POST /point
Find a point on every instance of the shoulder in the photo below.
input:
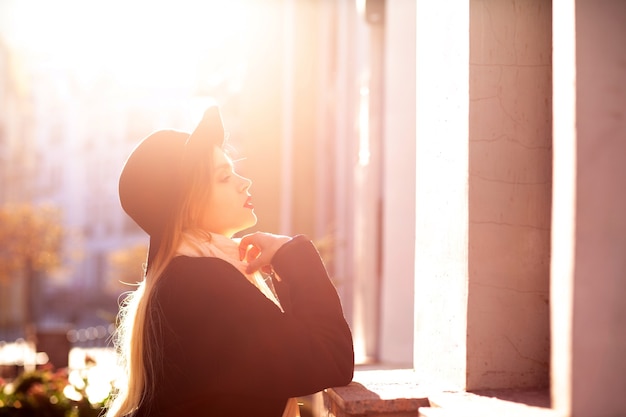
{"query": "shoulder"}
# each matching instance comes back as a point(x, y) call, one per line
point(198, 272)
point(188, 264)
point(192, 281)
point(194, 287)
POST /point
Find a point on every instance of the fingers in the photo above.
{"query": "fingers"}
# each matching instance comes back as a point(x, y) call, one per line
point(255, 257)
point(259, 248)
point(244, 246)
point(246, 243)
point(252, 254)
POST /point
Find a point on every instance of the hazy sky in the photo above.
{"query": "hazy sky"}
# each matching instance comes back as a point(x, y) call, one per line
point(135, 42)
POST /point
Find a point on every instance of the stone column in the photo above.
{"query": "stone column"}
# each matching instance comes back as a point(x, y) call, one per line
point(510, 186)
point(441, 205)
point(483, 194)
point(398, 252)
point(589, 240)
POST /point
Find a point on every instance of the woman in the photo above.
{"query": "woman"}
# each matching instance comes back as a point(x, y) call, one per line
point(219, 327)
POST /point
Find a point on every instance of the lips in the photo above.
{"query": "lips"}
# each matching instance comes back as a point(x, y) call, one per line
point(248, 203)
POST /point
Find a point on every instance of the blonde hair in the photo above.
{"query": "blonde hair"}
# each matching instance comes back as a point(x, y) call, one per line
point(135, 331)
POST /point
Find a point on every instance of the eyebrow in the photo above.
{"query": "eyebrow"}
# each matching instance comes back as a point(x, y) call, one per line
point(224, 166)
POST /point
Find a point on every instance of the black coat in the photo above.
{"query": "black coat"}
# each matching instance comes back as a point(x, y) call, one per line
point(227, 350)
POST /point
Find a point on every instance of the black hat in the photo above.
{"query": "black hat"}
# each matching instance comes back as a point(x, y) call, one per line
point(152, 176)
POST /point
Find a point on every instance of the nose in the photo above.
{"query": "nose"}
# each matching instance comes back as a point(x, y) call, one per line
point(245, 184)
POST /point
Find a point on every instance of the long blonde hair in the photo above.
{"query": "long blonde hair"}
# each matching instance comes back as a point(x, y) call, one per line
point(135, 331)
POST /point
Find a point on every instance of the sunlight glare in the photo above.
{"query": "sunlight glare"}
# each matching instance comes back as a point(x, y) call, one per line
point(70, 393)
point(137, 43)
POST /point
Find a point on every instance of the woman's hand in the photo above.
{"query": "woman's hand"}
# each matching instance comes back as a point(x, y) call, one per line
point(259, 248)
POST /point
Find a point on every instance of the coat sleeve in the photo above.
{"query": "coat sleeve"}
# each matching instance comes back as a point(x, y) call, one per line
point(222, 335)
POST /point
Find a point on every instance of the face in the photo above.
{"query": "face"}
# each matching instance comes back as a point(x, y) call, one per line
point(230, 208)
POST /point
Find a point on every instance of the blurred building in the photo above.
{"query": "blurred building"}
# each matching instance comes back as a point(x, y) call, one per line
point(16, 149)
point(63, 142)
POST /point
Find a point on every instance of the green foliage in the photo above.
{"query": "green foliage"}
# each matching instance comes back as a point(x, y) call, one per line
point(31, 237)
point(126, 268)
point(31, 241)
point(45, 393)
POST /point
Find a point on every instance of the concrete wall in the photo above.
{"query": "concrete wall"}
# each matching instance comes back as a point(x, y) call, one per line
point(510, 160)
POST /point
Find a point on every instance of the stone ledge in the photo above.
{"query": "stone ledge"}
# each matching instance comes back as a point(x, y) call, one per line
point(383, 393)
point(395, 393)
point(492, 403)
